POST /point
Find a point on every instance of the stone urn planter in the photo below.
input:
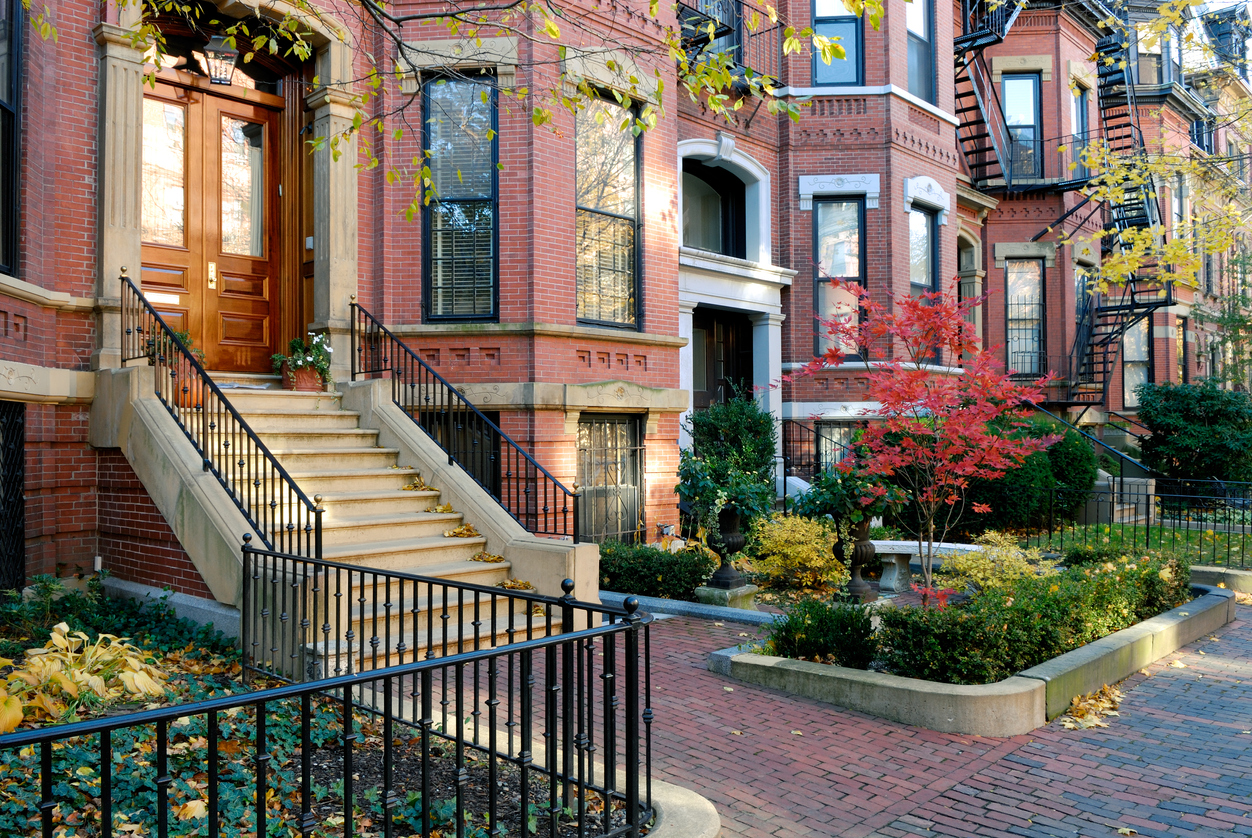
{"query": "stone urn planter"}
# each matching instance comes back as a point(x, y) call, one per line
point(304, 379)
point(861, 553)
point(727, 586)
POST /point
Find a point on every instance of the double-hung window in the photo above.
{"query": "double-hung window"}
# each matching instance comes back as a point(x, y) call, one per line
point(1024, 279)
point(832, 19)
point(839, 253)
point(922, 253)
point(607, 212)
point(1080, 106)
point(920, 21)
point(1022, 113)
point(10, 89)
point(1136, 361)
point(460, 230)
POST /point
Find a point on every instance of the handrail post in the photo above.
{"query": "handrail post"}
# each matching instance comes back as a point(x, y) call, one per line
point(632, 715)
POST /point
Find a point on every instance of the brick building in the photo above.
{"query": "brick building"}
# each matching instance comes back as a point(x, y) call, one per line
point(582, 287)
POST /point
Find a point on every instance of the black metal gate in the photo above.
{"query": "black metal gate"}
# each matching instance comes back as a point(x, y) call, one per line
point(12, 500)
point(610, 473)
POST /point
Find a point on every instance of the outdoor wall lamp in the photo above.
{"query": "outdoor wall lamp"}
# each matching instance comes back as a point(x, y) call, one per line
point(220, 57)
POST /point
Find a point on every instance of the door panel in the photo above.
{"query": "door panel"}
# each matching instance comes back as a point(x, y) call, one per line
point(210, 231)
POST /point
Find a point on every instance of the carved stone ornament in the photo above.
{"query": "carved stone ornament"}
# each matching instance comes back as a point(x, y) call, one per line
point(926, 193)
point(821, 185)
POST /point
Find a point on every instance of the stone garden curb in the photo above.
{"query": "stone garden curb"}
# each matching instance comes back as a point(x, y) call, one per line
point(1014, 706)
point(1233, 578)
point(679, 608)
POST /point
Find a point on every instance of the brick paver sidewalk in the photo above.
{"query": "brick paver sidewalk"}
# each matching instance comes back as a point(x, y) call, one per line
point(1178, 760)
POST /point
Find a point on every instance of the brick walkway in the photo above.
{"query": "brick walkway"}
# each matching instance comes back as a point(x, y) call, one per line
point(1178, 760)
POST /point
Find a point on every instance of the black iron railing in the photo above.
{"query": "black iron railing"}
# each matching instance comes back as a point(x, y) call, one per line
point(808, 450)
point(550, 735)
point(282, 514)
point(525, 489)
point(305, 619)
point(743, 31)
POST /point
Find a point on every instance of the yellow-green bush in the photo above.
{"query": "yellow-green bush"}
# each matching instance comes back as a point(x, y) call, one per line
point(999, 564)
point(791, 551)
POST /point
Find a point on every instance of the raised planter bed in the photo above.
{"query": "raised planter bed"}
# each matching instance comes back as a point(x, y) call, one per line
point(1010, 707)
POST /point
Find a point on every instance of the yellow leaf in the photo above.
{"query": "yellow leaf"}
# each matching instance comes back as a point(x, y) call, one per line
point(1125, 830)
point(10, 714)
point(192, 809)
point(1178, 665)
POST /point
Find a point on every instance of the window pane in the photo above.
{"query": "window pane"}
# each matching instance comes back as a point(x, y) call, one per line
point(461, 258)
point(605, 159)
point(605, 268)
point(921, 68)
point(833, 304)
point(243, 187)
point(916, 18)
point(702, 215)
point(164, 167)
point(8, 191)
point(1025, 315)
point(6, 53)
point(610, 472)
point(1135, 343)
point(921, 252)
point(830, 8)
point(838, 240)
point(839, 71)
point(1020, 100)
point(460, 138)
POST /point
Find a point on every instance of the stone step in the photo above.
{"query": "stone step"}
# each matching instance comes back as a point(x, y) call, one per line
point(304, 421)
point(246, 401)
point(417, 555)
point(351, 505)
point(328, 460)
point(387, 527)
point(354, 481)
point(291, 438)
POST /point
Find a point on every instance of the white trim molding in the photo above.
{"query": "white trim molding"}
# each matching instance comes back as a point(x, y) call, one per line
point(821, 185)
point(926, 192)
point(722, 152)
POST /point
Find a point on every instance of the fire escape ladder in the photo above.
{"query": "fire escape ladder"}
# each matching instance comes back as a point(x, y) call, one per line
point(983, 132)
point(1102, 323)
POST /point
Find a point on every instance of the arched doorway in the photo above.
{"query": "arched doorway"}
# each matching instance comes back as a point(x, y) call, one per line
point(221, 224)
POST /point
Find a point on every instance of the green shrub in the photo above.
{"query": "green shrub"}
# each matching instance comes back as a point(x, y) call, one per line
point(730, 462)
point(999, 564)
point(791, 551)
point(647, 571)
point(1198, 431)
point(1003, 631)
point(828, 632)
point(1073, 462)
point(1077, 555)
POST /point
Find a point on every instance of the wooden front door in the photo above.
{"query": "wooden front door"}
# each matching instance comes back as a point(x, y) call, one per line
point(210, 208)
point(721, 354)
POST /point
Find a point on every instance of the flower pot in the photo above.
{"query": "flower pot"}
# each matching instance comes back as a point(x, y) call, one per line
point(303, 378)
point(729, 542)
point(861, 553)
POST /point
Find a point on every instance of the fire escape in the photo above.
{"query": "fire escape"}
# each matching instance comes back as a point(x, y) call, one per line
point(999, 161)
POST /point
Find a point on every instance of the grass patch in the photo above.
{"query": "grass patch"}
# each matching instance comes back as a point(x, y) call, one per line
point(1202, 545)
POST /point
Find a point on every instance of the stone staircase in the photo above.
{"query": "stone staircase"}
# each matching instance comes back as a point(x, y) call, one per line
point(380, 515)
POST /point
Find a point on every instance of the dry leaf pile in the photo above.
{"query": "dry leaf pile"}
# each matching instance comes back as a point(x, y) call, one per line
point(1091, 710)
point(516, 585)
point(443, 507)
point(463, 531)
point(484, 556)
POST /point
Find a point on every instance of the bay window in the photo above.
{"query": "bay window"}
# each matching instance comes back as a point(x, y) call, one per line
point(606, 215)
point(919, 19)
point(832, 19)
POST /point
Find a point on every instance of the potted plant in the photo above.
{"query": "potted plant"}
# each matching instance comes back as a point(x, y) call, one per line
point(307, 364)
point(720, 497)
point(162, 347)
point(851, 499)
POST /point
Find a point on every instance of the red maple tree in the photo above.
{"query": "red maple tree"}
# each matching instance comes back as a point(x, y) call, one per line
point(947, 413)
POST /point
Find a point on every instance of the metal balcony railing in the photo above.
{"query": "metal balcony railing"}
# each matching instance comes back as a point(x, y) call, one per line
point(742, 30)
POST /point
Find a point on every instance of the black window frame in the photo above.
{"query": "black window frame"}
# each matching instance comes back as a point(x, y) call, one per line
point(840, 20)
point(428, 212)
point(11, 142)
point(932, 221)
point(1202, 134)
point(1029, 165)
point(818, 279)
point(932, 93)
point(637, 226)
point(733, 194)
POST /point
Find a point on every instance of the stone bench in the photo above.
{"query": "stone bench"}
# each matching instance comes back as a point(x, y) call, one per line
point(898, 556)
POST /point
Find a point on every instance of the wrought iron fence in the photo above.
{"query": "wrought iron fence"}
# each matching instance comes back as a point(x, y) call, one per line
point(523, 488)
point(12, 496)
point(554, 732)
point(282, 514)
point(809, 450)
point(305, 619)
point(612, 462)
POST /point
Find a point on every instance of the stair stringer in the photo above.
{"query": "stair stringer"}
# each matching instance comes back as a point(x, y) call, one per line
point(126, 414)
point(544, 562)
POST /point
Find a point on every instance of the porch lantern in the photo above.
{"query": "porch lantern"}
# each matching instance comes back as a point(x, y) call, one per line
point(220, 57)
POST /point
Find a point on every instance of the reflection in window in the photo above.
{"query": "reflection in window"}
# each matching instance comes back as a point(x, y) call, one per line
point(461, 222)
point(713, 210)
point(1136, 361)
point(610, 475)
point(243, 187)
point(607, 209)
point(832, 19)
point(922, 273)
point(1024, 278)
point(919, 19)
point(834, 442)
point(1021, 112)
point(163, 209)
point(838, 244)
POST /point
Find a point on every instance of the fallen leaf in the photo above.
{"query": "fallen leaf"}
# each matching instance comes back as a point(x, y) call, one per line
point(1125, 830)
point(743, 634)
point(1178, 665)
point(1201, 651)
point(192, 809)
point(717, 624)
point(797, 732)
point(736, 733)
point(1214, 639)
point(729, 689)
